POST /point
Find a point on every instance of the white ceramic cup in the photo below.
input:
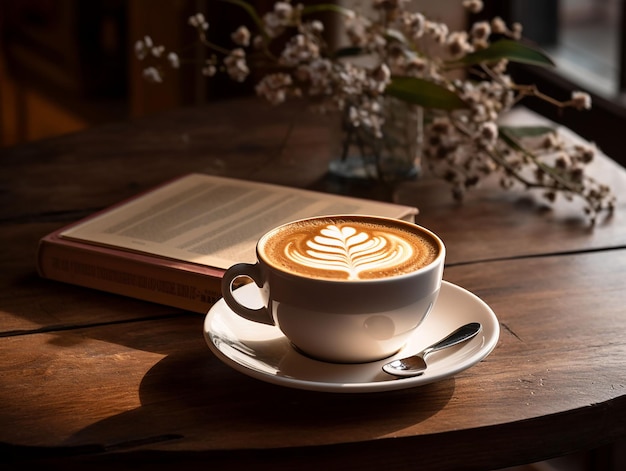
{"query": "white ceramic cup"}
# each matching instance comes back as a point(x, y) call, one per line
point(346, 288)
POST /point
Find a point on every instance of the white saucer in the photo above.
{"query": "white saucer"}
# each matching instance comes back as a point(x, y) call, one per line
point(263, 352)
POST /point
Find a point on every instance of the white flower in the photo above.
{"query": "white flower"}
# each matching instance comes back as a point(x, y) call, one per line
point(152, 74)
point(414, 25)
point(157, 51)
point(581, 100)
point(273, 25)
point(382, 78)
point(236, 66)
point(488, 133)
point(299, 49)
point(173, 60)
point(316, 27)
point(209, 69)
point(481, 30)
point(198, 21)
point(584, 153)
point(416, 65)
point(143, 47)
point(241, 36)
point(552, 141)
point(276, 20)
point(473, 6)
point(140, 50)
point(274, 87)
point(283, 10)
point(458, 44)
point(498, 25)
point(356, 28)
point(439, 31)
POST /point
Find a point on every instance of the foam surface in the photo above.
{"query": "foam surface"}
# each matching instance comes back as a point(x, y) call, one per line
point(348, 248)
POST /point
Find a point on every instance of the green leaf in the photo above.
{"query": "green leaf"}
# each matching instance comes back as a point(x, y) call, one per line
point(395, 35)
point(506, 49)
point(424, 93)
point(527, 131)
point(512, 135)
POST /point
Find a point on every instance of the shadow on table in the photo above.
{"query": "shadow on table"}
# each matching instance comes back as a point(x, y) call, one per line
point(181, 399)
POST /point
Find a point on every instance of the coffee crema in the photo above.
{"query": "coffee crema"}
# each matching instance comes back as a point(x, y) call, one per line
point(349, 248)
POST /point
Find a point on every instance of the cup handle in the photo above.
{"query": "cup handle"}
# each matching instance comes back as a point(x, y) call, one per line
point(261, 315)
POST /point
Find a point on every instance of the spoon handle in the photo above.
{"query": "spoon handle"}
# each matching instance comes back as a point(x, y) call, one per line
point(415, 365)
point(461, 334)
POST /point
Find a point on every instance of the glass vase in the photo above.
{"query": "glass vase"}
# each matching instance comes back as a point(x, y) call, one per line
point(393, 156)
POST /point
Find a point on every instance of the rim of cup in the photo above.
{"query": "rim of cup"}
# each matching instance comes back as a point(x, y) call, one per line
point(441, 252)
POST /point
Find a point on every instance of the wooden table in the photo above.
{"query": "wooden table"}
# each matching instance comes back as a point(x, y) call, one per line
point(90, 380)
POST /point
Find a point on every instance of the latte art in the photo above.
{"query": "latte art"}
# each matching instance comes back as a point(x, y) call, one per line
point(349, 248)
point(346, 250)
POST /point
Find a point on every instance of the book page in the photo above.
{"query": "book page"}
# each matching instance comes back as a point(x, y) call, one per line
point(215, 221)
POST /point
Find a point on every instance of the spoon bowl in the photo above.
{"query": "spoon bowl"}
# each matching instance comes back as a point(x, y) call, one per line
point(415, 365)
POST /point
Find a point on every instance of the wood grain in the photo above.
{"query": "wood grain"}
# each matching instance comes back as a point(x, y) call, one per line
point(92, 380)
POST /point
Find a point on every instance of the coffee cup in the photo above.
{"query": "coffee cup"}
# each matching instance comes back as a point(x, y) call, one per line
point(344, 288)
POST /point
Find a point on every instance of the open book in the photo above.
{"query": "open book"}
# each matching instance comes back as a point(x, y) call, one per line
point(172, 244)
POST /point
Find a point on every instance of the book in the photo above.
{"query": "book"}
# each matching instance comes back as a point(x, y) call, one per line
point(172, 244)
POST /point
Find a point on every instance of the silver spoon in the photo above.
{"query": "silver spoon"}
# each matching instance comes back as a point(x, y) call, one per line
point(415, 365)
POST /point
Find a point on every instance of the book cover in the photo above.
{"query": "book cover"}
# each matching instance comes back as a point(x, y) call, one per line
point(172, 244)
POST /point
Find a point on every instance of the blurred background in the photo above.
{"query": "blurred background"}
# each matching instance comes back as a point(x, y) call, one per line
point(68, 64)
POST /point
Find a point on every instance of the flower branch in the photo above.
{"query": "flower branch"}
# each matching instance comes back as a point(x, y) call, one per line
point(458, 79)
